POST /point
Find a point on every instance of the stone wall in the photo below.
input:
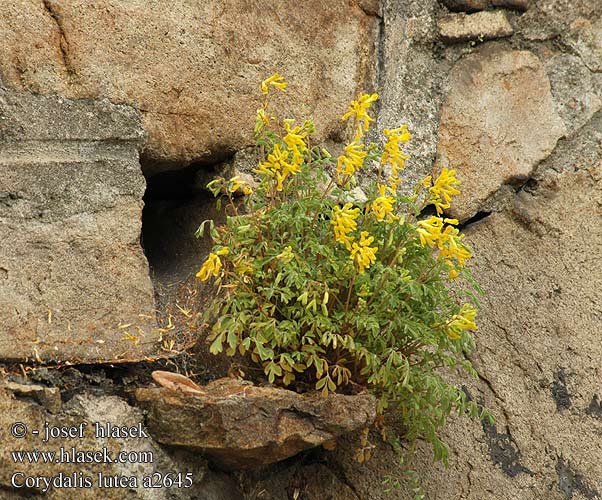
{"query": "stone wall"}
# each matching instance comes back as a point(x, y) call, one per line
point(96, 96)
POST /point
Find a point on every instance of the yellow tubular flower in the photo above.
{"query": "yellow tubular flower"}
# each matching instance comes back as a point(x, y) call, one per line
point(426, 182)
point(235, 183)
point(363, 254)
point(359, 110)
point(443, 190)
point(393, 155)
point(343, 220)
point(278, 166)
point(211, 267)
point(451, 246)
point(351, 160)
point(383, 205)
point(429, 230)
point(275, 80)
point(463, 321)
point(294, 139)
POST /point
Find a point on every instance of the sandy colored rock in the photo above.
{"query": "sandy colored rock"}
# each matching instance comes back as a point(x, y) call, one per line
point(479, 26)
point(238, 425)
point(192, 69)
point(72, 271)
point(498, 122)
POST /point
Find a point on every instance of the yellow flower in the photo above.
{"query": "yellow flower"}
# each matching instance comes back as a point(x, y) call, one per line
point(393, 154)
point(426, 182)
point(286, 255)
point(343, 220)
point(359, 110)
point(276, 80)
point(451, 246)
point(351, 160)
point(443, 190)
point(429, 230)
point(383, 205)
point(211, 267)
point(235, 183)
point(294, 139)
point(363, 254)
point(261, 119)
point(278, 167)
point(463, 321)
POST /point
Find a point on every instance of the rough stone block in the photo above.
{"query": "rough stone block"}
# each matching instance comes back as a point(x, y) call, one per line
point(479, 26)
point(72, 272)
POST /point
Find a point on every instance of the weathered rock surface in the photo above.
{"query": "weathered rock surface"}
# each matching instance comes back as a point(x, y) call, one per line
point(498, 122)
point(88, 410)
point(576, 90)
point(478, 26)
point(557, 19)
point(71, 267)
point(193, 74)
point(586, 38)
point(238, 425)
point(473, 5)
point(540, 264)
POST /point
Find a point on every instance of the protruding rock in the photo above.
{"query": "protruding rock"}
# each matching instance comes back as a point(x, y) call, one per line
point(48, 397)
point(498, 122)
point(238, 425)
point(479, 26)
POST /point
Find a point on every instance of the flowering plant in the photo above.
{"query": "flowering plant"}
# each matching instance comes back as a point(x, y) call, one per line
point(319, 289)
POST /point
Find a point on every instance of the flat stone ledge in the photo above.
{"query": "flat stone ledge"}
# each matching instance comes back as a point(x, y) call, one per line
point(238, 425)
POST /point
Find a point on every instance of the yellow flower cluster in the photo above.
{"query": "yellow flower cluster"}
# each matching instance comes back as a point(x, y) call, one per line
point(443, 189)
point(363, 254)
point(359, 110)
point(295, 141)
point(343, 220)
point(382, 206)
point(448, 241)
point(287, 157)
point(275, 80)
point(463, 321)
point(354, 155)
point(279, 165)
point(351, 160)
point(212, 265)
point(393, 155)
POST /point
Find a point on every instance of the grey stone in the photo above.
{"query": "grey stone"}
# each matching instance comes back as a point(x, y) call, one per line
point(479, 26)
point(576, 90)
point(48, 397)
point(410, 79)
point(73, 271)
point(586, 39)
